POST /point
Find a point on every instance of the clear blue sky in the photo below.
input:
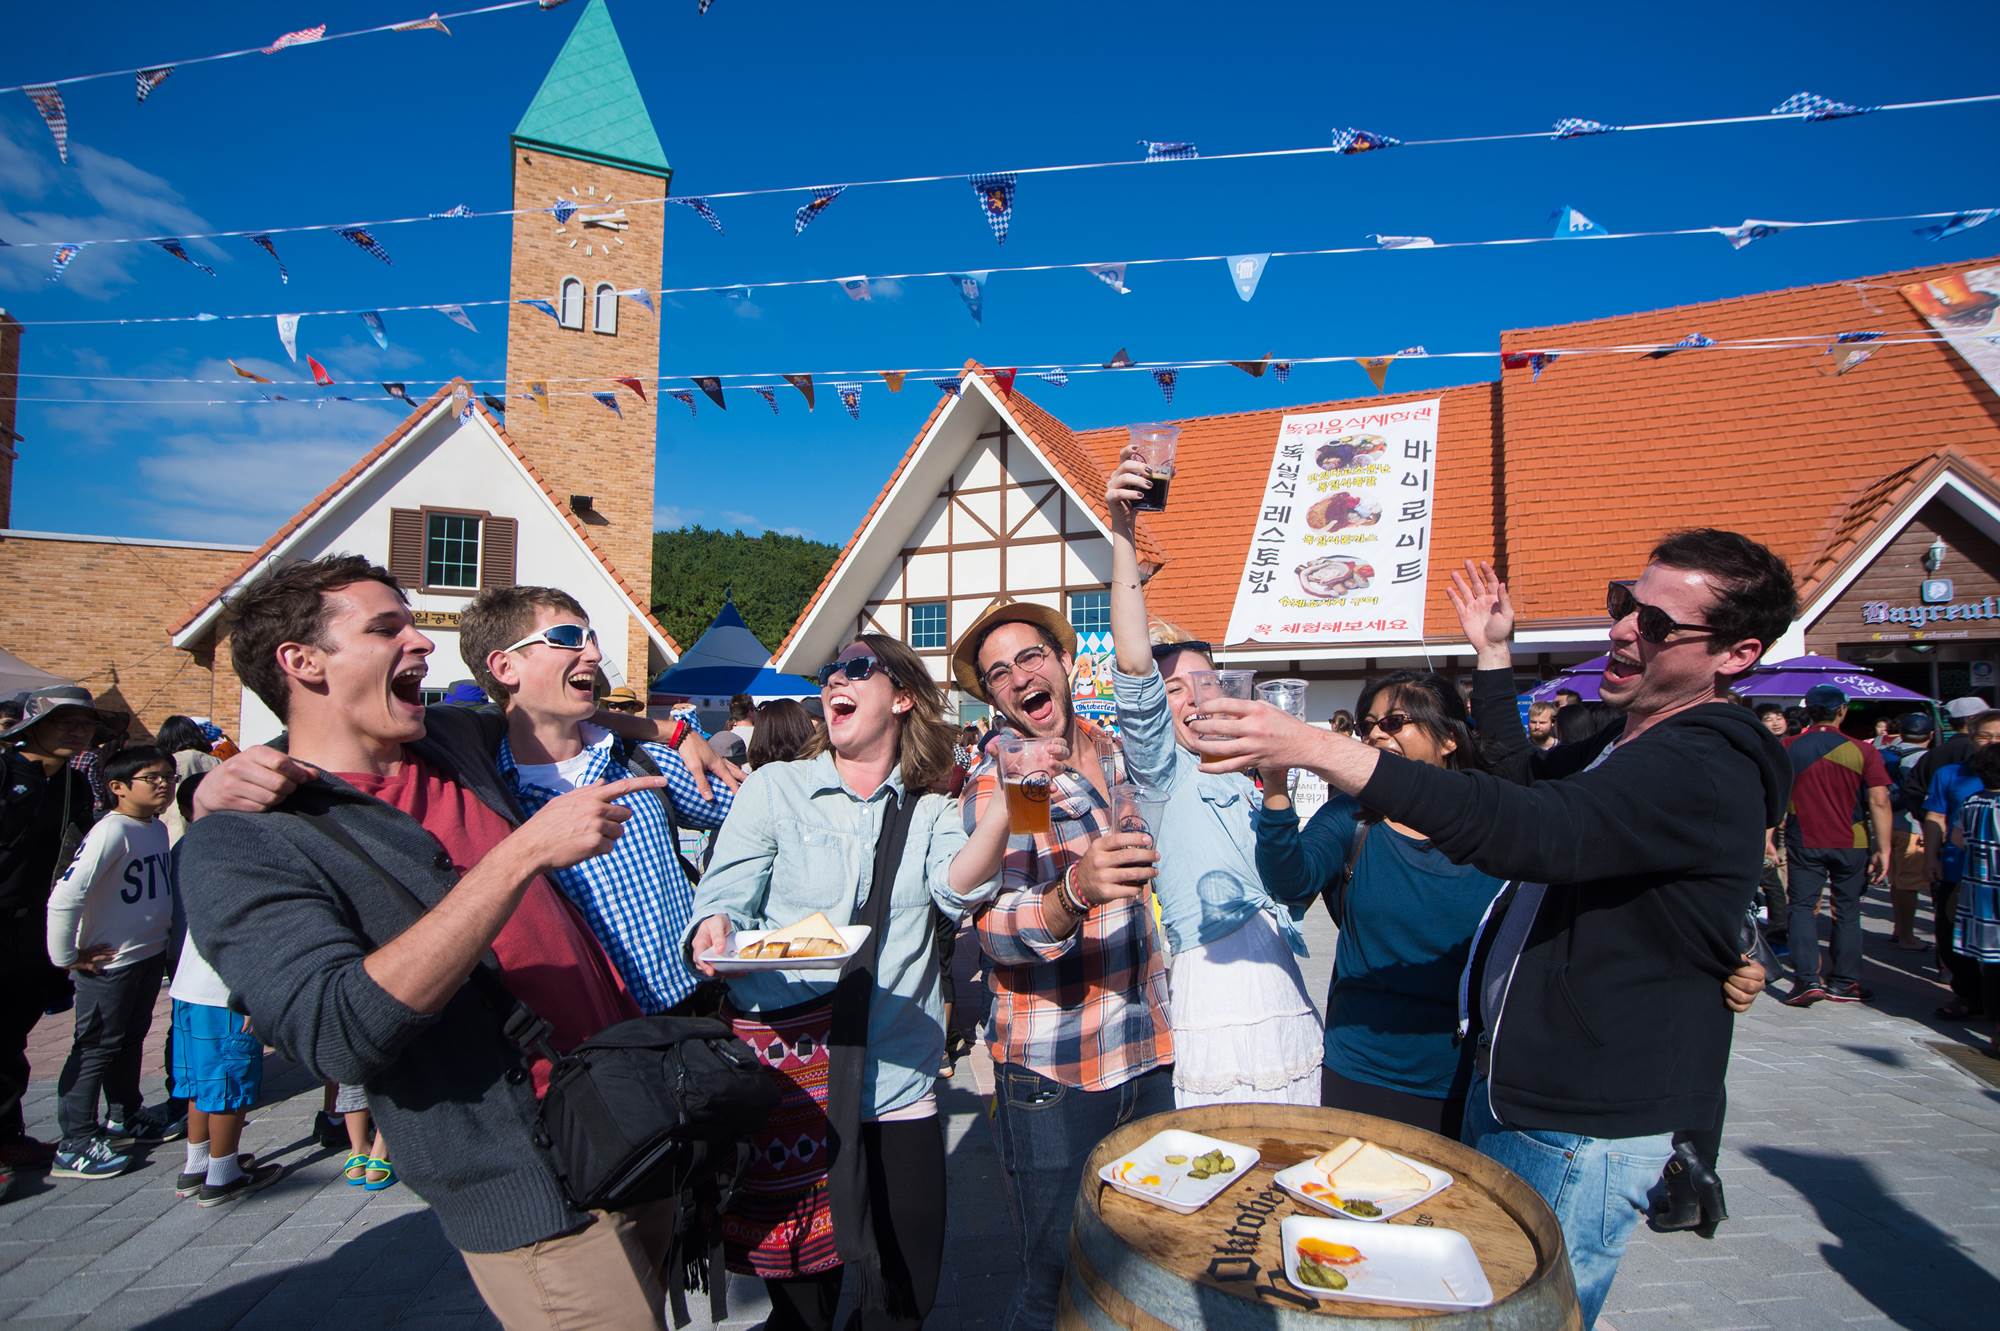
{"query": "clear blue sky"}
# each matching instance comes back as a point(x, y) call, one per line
point(786, 92)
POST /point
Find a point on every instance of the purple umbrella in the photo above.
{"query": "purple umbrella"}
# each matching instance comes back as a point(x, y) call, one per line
point(1583, 677)
point(1793, 683)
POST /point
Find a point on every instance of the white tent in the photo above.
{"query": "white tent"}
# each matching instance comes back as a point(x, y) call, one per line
point(17, 675)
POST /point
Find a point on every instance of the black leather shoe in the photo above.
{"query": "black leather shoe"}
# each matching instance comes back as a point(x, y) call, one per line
point(1678, 1207)
point(1708, 1188)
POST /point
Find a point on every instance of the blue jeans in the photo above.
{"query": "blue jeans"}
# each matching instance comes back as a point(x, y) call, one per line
point(1597, 1187)
point(1046, 1131)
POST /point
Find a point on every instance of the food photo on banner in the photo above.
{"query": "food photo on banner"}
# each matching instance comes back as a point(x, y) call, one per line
point(1341, 553)
point(1965, 307)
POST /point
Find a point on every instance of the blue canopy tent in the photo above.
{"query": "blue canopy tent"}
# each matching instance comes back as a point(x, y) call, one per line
point(727, 660)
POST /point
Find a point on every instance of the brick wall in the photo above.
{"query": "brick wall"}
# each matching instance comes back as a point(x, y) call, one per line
point(103, 614)
point(579, 446)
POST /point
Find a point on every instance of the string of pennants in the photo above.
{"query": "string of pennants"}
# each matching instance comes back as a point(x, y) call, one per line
point(995, 191)
point(1245, 271)
point(1845, 349)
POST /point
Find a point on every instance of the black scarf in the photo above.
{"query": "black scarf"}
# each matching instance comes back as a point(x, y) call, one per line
point(847, 1169)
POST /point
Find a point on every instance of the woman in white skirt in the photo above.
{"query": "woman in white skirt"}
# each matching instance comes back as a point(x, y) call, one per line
point(1244, 1026)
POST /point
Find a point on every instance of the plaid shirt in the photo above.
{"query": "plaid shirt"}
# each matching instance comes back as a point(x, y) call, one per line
point(1089, 1010)
point(635, 896)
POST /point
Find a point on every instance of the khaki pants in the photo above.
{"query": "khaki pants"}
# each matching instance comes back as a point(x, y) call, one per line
point(604, 1277)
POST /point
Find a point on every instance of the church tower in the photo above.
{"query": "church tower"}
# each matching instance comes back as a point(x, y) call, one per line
point(584, 150)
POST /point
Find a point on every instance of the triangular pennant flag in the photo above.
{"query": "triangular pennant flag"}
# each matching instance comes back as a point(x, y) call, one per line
point(1111, 274)
point(1692, 342)
point(1570, 127)
point(770, 396)
point(1751, 230)
point(1377, 369)
point(150, 79)
point(684, 397)
point(822, 197)
point(493, 404)
point(1283, 369)
point(804, 383)
point(1058, 376)
point(856, 288)
point(536, 303)
point(712, 386)
point(1958, 222)
point(320, 376)
point(431, 24)
point(461, 401)
point(610, 400)
point(734, 295)
point(951, 386)
point(642, 298)
point(701, 209)
point(1169, 152)
point(365, 241)
point(996, 200)
point(174, 247)
point(563, 209)
point(971, 288)
point(634, 384)
point(1246, 271)
point(299, 38)
point(1254, 368)
point(1122, 361)
point(893, 378)
point(456, 210)
point(1852, 359)
point(539, 391)
point(850, 397)
point(1812, 106)
point(48, 99)
point(251, 375)
point(1351, 141)
point(1843, 339)
point(288, 333)
point(264, 243)
point(457, 314)
point(399, 391)
point(1166, 379)
point(1571, 224)
point(376, 328)
point(1005, 379)
point(1402, 242)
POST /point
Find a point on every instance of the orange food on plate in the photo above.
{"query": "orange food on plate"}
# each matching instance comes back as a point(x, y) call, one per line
point(1327, 1253)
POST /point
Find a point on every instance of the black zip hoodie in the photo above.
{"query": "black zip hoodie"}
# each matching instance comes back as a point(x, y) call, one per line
point(1614, 1024)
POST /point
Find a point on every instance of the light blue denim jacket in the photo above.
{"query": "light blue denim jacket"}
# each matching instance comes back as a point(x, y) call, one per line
point(798, 841)
point(1208, 884)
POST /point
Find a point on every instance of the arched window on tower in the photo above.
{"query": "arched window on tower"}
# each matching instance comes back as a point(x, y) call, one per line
point(571, 315)
point(604, 311)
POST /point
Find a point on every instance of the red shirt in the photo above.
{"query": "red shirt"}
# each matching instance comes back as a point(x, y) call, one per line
point(548, 956)
point(1830, 771)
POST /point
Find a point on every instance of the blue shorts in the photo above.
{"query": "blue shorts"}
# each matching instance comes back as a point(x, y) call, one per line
point(218, 1066)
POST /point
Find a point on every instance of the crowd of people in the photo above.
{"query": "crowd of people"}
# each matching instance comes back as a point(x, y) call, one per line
point(1545, 925)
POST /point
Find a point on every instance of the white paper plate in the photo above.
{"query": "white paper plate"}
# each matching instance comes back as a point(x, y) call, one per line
point(1177, 1190)
point(1415, 1266)
point(730, 963)
point(1293, 1180)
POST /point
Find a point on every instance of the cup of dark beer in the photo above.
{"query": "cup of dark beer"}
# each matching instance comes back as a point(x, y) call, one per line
point(1155, 445)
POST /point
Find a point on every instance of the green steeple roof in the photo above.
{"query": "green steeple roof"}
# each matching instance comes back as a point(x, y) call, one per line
point(589, 106)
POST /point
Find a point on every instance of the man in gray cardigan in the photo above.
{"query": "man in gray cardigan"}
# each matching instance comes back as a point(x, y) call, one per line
point(349, 920)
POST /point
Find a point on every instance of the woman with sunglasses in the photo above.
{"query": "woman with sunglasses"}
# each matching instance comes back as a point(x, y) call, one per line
point(848, 1176)
point(1244, 1026)
point(1406, 916)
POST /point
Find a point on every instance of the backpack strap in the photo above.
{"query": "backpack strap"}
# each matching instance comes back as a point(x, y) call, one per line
point(1336, 891)
point(634, 758)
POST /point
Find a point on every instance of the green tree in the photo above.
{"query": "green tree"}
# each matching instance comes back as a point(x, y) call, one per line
point(772, 577)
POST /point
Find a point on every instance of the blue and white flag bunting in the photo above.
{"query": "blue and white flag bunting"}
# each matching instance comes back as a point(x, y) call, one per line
point(822, 198)
point(1692, 342)
point(996, 200)
point(1111, 274)
point(456, 210)
point(1246, 271)
point(770, 396)
point(610, 400)
point(971, 288)
point(701, 209)
point(536, 303)
point(563, 210)
point(950, 386)
point(1572, 127)
point(173, 246)
point(1863, 335)
point(61, 259)
point(641, 297)
point(685, 397)
point(1573, 225)
point(1169, 152)
point(1283, 369)
point(150, 79)
point(1402, 242)
point(288, 333)
point(857, 288)
point(48, 100)
point(1815, 107)
point(263, 243)
point(1057, 377)
point(1958, 222)
point(1350, 141)
point(850, 397)
point(457, 314)
point(1751, 230)
point(461, 401)
point(364, 240)
point(376, 328)
point(1166, 379)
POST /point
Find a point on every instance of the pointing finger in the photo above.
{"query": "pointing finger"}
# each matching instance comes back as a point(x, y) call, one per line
point(612, 790)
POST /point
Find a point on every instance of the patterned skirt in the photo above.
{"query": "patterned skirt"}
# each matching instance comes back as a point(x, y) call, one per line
point(780, 1224)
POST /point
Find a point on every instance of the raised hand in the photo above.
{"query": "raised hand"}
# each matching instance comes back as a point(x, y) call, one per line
point(1129, 483)
point(703, 762)
point(254, 781)
point(1117, 867)
point(1485, 612)
point(1236, 734)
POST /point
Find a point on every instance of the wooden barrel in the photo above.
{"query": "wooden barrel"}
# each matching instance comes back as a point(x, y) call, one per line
point(1133, 1264)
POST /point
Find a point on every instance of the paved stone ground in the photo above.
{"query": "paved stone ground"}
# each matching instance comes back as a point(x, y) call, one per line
point(1861, 1169)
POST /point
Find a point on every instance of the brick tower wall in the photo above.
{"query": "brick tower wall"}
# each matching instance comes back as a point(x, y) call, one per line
point(579, 446)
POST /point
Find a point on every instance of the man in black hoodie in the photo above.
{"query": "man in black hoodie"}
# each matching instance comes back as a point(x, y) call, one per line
point(1634, 856)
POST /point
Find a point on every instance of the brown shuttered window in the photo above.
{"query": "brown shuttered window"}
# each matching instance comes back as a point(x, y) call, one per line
point(496, 553)
point(406, 547)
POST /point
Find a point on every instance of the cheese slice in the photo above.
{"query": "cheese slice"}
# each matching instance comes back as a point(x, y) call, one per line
point(815, 926)
point(1362, 1169)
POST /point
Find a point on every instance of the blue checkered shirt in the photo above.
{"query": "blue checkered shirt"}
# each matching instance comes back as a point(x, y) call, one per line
point(635, 896)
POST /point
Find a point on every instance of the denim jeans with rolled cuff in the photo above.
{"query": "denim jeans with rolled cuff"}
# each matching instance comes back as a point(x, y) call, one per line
point(1046, 1131)
point(1597, 1187)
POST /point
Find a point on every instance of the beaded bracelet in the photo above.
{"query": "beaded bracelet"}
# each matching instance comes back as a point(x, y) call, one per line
point(1071, 902)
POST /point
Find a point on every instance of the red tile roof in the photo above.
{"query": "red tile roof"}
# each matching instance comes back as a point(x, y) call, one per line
point(374, 455)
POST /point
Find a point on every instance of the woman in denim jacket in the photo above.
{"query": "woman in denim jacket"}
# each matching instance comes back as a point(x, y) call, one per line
point(801, 838)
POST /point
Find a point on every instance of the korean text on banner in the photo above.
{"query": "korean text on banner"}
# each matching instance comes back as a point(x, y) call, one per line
point(1341, 550)
point(1966, 309)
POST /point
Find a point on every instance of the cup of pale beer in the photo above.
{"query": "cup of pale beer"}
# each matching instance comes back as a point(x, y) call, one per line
point(1028, 767)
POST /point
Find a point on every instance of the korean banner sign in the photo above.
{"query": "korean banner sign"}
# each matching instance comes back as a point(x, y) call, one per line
point(1341, 551)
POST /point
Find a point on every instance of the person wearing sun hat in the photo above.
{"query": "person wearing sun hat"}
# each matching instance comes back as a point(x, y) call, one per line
point(1079, 1032)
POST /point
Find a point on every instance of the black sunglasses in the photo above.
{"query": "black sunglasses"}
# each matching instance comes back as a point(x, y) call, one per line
point(856, 668)
point(1162, 650)
point(1392, 724)
point(1655, 624)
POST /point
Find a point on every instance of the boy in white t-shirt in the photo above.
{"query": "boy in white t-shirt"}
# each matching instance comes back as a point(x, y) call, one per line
point(109, 917)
